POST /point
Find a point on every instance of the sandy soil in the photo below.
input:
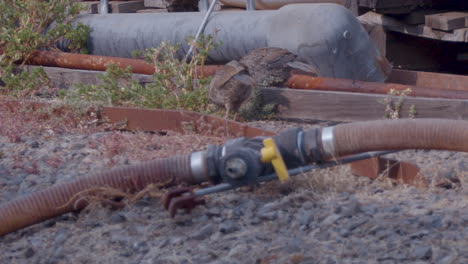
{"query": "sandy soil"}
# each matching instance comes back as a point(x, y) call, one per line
point(326, 216)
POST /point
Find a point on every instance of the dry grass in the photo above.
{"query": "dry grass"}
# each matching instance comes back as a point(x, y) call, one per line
point(20, 119)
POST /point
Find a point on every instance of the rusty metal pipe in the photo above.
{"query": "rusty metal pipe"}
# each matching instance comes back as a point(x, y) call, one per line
point(344, 85)
point(352, 138)
point(100, 63)
point(62, 198)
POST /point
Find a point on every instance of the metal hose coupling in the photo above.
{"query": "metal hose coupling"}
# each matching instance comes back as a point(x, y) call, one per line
point(239, 160)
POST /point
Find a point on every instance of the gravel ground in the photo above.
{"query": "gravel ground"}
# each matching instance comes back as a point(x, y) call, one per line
point(326, 216)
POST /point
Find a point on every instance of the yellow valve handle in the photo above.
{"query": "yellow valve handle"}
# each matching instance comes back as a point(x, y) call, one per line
point(270, 153)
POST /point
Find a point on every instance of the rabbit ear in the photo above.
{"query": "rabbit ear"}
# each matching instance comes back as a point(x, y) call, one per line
point(303, 67)
point(244, 79)
point(279, 59)
point(228, 71)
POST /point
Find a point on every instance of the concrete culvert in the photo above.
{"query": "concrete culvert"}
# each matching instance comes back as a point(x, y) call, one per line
point(327, 36)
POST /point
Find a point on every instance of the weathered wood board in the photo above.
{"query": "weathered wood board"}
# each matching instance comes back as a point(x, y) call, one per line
point(127, 7)
point(153, 10)
point(394, 6)
point(392, 24)
point(429, 79)
point(114, 6)
point(158, 3)
point(339, 106)
point(417, 17)
point(447, 21)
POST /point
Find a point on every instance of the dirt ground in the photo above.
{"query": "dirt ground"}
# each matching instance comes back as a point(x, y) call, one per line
point(325, 216)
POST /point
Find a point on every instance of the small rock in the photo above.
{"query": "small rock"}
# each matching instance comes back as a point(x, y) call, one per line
point(255, 221)
point(204, 232)
point(295, 245)
point(77, 146)
point(418, 212)
point(394, 209)
point(463, 165)
point(228, 227)
point(49, 223)
point(118, 218)
point(419, 234)
point(29, 252)
point(331, 219)
point(177, 241)
point(345, 231)
point(344, 196)
point(269, 207)
point(267, 215)
point(307, 205)
point(126, 253)
point(322, 235)
point(448, 221)
point(140, 247)
point(422, 252)
point(61, 236)
point(34, 144)
point(349, 209)
point(238, 251)
point(447, 178)
point(304, 217)
point(213, 211)
point(450, 259)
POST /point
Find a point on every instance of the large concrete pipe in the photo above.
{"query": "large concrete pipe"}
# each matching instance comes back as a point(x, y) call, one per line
point(326, 35)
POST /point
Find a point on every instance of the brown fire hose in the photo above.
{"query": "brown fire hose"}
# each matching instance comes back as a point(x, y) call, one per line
point(359, 137)
point(65, 197)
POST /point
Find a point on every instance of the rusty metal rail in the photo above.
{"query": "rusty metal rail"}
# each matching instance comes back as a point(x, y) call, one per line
point(345, 85)
point(100, 63)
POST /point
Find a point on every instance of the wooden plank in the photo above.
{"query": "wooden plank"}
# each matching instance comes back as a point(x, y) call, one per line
point(127, 7)
point(158, 3)
point(429, 79)
point(418, 16)
point(339, 106)
point(114, 6)
point(447, 21)
point(153, 10)
point(390, 23)
point(394, 6)
point(90, 7)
